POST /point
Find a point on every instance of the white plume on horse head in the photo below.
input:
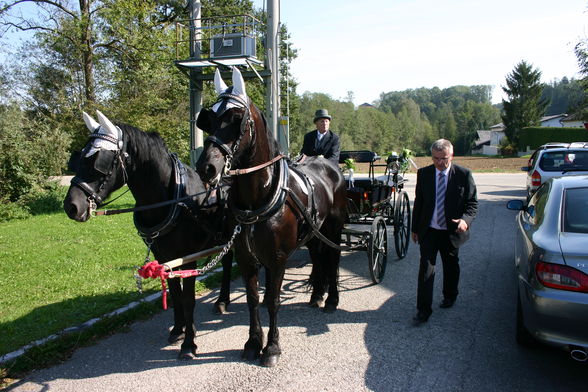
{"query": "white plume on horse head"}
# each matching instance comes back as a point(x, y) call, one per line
point(90, 122)
point(238, 90)
point(219, 84)
point(104, 127)
point(238, 83)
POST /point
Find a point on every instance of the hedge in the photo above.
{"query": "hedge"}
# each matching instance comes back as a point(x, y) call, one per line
point(537, 136)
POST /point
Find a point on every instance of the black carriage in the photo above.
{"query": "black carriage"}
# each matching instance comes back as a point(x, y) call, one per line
point(380, 202)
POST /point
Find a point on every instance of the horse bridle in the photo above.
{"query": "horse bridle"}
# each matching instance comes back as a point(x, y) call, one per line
point(246, 122)
point(93, 196)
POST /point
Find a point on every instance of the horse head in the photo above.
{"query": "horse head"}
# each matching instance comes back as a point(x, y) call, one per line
point(232, 124)
point(99, 168)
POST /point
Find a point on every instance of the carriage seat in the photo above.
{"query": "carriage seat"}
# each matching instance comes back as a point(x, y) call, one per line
point(366, 183)
point(360, 156)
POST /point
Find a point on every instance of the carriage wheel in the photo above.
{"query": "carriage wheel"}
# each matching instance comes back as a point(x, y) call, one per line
point(377, 250)
point(402, 224)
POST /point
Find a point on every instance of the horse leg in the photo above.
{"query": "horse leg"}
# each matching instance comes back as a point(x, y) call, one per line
point(272, 351)
point(188, 348)
point(224, 297)
point(317, 276)
point(254, 344)
point(332, 258)
point(175, 291)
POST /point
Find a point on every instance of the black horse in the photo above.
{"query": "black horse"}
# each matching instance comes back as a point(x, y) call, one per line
point(279, 208)
point(115, 155)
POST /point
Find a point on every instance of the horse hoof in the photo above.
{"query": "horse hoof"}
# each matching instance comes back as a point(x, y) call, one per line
point(316, 303)
point(270, 360)
point(250, 355)
point(220, 307)
point(174, 338)
point(330, 308)
point(187, 354)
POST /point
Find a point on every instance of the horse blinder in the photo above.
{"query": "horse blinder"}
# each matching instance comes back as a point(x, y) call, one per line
point(105, 161)
point(204, 120)
point(74, 161)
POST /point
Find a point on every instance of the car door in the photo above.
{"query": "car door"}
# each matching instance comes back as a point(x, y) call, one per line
point(529, 222)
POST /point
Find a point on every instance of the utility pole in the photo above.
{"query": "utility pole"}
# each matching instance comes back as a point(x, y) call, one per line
point(196, 83)
point(272, 63)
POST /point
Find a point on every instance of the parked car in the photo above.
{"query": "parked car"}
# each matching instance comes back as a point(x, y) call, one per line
point(554, 160)
point(551, 259)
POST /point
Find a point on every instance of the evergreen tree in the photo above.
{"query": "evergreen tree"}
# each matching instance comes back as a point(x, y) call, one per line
point(524, 106)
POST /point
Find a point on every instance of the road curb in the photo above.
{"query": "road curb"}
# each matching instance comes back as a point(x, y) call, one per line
point(150, 298)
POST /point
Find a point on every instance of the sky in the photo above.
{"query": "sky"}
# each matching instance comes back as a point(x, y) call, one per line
point(370, 47)
point(374, 46)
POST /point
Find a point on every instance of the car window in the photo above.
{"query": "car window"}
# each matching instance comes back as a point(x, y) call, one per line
point(533, 159)
point(564, 160)
point(580, 160)
point(575, 211)
point(536, 206)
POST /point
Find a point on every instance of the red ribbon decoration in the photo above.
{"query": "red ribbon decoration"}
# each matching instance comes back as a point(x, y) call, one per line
point(155, 270)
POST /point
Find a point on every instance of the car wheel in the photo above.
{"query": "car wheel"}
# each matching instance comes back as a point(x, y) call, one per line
point(523, 336)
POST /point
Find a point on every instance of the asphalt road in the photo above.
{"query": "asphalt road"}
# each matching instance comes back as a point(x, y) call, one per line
point(368, 344)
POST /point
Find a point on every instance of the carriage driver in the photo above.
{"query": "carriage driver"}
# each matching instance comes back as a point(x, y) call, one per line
point(322, 141)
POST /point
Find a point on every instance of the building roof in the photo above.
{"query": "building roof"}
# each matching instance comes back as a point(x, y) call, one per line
point(547, 118)
point(483, 137)
point(576, 117)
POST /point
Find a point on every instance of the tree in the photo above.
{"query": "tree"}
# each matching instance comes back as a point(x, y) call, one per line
point(581, 50)
point(524, 106)
point(565, 96)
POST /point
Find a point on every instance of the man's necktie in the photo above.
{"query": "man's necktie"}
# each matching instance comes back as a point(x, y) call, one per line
point(440, 200)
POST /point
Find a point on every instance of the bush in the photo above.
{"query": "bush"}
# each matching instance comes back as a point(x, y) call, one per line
point(508, 150)
point(46, 201)
point(31, 150)
point(13, 211)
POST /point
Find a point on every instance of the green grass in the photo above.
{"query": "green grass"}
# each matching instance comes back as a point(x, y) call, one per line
point(56, 273)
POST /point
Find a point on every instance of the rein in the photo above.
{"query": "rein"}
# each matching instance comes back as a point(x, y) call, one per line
point(238, 172)
point(156, 205)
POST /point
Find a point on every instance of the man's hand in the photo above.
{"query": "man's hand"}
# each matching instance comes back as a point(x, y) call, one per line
point(415, 237)
point(462, 226)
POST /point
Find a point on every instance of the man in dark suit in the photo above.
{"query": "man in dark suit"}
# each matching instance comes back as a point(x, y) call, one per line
point(444, 207)
point(322, 141)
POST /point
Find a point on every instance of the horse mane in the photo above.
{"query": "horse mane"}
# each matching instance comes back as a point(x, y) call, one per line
point(273, 146)
point(144, 146)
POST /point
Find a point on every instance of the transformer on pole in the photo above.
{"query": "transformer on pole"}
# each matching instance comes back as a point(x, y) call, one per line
point(224, 42)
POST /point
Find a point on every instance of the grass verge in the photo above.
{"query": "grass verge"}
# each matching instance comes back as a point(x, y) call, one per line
point(57, 273)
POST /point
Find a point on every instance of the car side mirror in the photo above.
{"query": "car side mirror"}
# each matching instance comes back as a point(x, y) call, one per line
point(525, 168)
point(516, 205)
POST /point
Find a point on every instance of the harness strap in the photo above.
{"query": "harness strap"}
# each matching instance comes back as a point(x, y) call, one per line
point(87, 189)
point(312, 224)
point(170, 221)
point(267, 211)
point(238, 172)
point(218, 142)
point(112, 139)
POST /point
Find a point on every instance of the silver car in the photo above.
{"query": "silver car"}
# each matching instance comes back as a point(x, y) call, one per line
point(555, 160)
point(551, 259)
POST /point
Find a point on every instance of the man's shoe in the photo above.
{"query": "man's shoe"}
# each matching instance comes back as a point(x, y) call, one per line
point(446, 303)
point(421, 317)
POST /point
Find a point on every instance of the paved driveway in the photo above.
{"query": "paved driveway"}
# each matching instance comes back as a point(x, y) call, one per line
point(368, 344)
